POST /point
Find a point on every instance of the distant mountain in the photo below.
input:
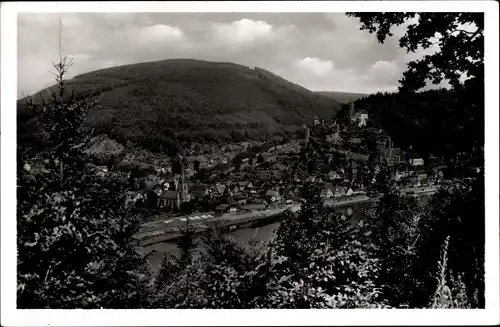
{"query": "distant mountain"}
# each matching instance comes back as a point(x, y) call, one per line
point(343, 97)
point(151, 102)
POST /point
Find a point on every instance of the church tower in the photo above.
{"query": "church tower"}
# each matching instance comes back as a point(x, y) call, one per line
point(184, 193)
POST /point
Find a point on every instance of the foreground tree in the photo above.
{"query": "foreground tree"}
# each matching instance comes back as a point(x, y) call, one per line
point(319, 260)
point(394, 232)
point(74, 234)
point(459, 37)
point(451, 291)
point(457, 210)
point(211, 272)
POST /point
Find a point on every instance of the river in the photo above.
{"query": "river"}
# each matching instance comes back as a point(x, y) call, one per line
point(243, 235)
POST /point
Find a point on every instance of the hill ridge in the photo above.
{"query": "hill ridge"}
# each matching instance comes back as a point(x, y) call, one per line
point(343, 97)
point(192, 99)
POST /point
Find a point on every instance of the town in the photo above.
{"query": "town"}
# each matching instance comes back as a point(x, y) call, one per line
point(342, 156)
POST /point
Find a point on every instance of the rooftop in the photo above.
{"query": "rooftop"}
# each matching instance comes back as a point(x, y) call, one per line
point(413, 155)
point(391, 152)
point(168, 195)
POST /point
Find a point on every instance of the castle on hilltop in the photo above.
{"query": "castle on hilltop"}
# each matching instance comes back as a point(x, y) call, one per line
point(360, 116)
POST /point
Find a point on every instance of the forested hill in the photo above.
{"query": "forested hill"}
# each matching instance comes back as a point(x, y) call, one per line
point(442, 122)
point(147, 103)
point(343, 97)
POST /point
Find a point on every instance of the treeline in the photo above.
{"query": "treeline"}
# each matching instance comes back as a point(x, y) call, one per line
point(439, 122)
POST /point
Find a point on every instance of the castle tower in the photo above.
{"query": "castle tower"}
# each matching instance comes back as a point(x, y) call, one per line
point(306, 142)
point(308, 133)
point(351, 110)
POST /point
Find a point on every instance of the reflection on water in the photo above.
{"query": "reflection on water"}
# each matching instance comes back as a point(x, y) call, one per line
point(243, 236)
point(261, 234)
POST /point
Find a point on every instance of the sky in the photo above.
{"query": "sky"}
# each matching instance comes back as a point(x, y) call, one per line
point(320, 51)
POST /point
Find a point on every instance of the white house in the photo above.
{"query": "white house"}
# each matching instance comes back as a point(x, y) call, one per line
point(398, 174)
point(334, 175)
point(326, 193)
point(316, 121)
point(416, 161)
point(362, 117)
point(338, 192)
point(132, 197)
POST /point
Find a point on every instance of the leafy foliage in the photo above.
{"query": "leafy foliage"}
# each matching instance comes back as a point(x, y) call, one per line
point(209, 274)
point(446, 123)
point(74, 248)
point(459, 37)
point(443, 297)
point(394, 231)
point(315, 261)
point(458, 212)
point(454, 119)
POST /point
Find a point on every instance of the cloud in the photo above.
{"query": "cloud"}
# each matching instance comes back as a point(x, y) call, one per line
point(79, 57)
point(385, 71)
point(320, 51)
point(316, 66)
point(247, 32)
point(244, 30)
point(83, 63)
point(160, 33)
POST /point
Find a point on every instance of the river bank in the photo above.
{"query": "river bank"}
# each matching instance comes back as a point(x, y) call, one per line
point(261, 234)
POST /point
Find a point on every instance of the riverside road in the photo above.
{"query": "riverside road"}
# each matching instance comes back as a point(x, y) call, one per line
point(165, 229)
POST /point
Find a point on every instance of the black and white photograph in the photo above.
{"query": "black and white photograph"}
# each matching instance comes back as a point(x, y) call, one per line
point(188, 155)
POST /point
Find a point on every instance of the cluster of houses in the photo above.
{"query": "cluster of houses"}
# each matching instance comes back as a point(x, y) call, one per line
point(207, 162)
point(254, 186)
point(406, 168)
point(170, 192)
point(231, 196)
